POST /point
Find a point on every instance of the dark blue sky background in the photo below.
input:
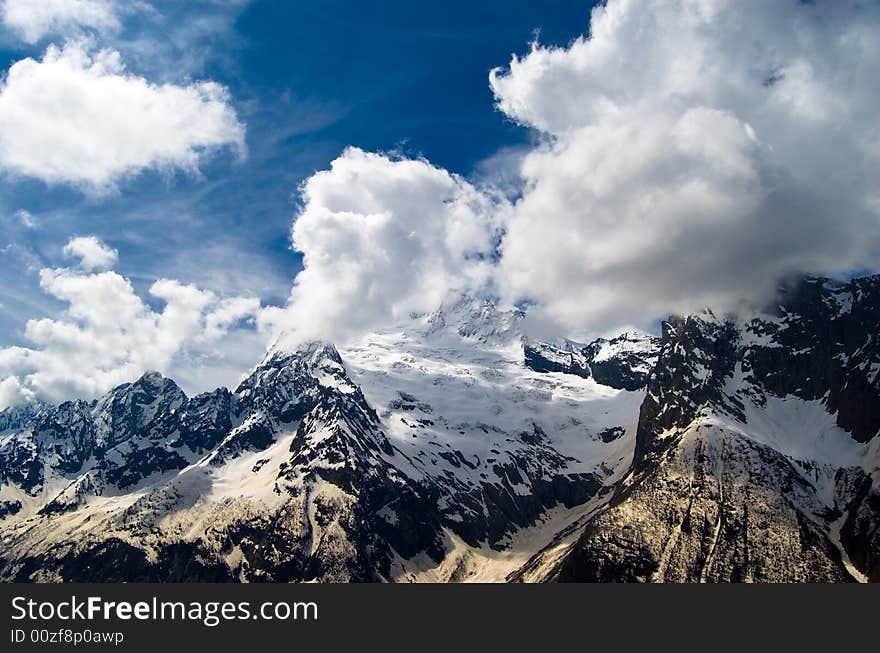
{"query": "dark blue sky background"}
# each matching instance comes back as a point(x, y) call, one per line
point(308, 78)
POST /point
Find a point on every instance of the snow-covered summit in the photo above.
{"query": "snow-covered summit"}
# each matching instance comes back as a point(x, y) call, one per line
point(478, 320)
point(451, 448)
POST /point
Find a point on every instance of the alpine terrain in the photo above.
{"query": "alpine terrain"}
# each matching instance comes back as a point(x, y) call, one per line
point(454, 448)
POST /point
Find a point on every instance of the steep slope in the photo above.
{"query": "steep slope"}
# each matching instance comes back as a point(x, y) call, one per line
point(752, 460)
point(507, 450)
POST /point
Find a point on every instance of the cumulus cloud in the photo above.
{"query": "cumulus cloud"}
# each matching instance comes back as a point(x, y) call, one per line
point(12, 394)
point(93, 254)
point(696, 152)
point(34, 19)
point(108, 335)
point(78, 117)
point(383, 236)
point(693, 154)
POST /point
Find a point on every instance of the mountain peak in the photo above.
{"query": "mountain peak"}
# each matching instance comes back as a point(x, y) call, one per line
point(309, 352)
point(151, 385)
point(153, 379)
point(474, 318)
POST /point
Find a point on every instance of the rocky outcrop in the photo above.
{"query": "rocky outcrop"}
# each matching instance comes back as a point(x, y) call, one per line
point(718, 490)
point(623, 363)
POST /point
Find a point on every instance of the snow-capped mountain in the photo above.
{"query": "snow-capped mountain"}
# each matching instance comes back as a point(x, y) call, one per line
point(451, 448)
point(756, 453)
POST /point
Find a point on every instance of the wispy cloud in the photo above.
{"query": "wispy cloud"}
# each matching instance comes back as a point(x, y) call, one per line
point(33, 20)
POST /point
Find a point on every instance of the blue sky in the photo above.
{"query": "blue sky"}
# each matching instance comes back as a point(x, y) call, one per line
point(307, 78)
point(158, 159)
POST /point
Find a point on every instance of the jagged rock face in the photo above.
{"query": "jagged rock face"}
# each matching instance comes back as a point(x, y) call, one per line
point(860, 532)
point(64, 436)
point(568, 359)
point(204, 421)
point(136, 410)
point(286, 386)
point(824, 344)
point(20, 464)
point(18, 416)
point(67, 434)
point(697, 356)
point(135, 431)
point(340, 469)
point(748, 463)
point(451, 448)
point(623, 362)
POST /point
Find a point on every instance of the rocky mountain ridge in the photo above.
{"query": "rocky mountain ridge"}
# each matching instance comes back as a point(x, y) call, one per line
point(451, 448)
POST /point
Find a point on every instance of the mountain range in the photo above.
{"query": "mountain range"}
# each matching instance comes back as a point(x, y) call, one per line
point(453, 447)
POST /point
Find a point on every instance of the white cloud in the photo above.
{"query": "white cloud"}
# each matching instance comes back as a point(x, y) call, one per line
point(92, 253)
point(34, 19)
point(227, 314)
point(108, 335)
point(696, 152)
point(383, 236)
point(27, 219)
point(12, 394)
point(78, 117)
